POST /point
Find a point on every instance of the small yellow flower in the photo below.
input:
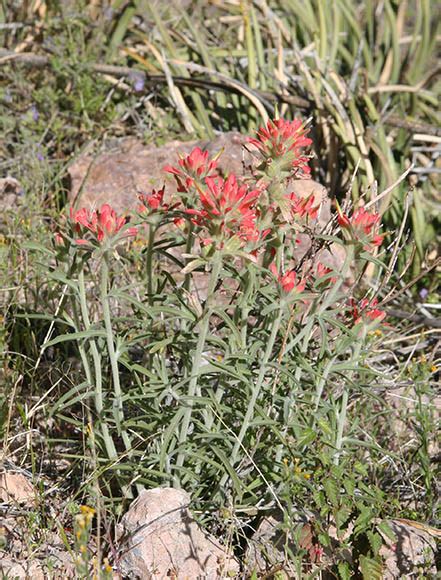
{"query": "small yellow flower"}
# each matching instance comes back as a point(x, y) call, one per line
point(378, 332)
point(307, 475)
point(423, 358)
point(433, 369)
point(87, 511)
point(83, 549)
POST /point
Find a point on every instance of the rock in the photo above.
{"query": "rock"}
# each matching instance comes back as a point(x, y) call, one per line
point(412, 555)
point(118, 175)
point(272, 542)
point(15, 488)
point(12, 569)
point(401, 403)
point(158, 538)
point(267, 547)
point(11, 193)
point(54, 565)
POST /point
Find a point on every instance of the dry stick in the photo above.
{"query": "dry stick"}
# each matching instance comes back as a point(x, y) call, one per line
point(175, 93)
point(10, 411)
point(416, 318)
point(35, 60)
point(392, 261)
point(390, 188)
point(390, 297)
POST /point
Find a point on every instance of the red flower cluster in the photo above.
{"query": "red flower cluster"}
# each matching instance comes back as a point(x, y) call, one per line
point(362, 225)
point(321, 274)
point(195, 167)
point(103, 223)
point(301, 206)
point(228, 209)
point(151, 202)
point(288, 281)
point(365, 311)
point(284, 140)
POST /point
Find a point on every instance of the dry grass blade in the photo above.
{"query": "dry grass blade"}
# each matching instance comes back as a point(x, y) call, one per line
point(240, 87)
point(185, 114)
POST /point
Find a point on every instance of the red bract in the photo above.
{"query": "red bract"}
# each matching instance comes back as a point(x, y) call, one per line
point(282, 139)
point(151, 202)
point(59, 240)
point(301, 206)
point(103, 223)
point(362, 224)
point(321, 272)
point(288, 281)
point(195, 166)
point(228, 209)
point(365, 311)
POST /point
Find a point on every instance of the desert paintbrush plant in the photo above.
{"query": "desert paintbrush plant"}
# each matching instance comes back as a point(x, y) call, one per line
point(239, 337)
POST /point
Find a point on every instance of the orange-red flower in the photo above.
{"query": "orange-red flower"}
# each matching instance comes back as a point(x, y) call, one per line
point(288, 281)
point(321, 274)
point(59, 240)
point(362, 225)
point(103, 223)
point(153, 202)
point(194, 167)
point(365, 311)
point(301, 206)
point(228, 208)
point(284, 140)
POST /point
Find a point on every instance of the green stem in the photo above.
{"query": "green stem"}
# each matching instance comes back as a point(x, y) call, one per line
point(197, 358)
point(108, 441)
point(256, 391)
point(118, 404)
point(328, 301)
point(188, 250)
point(149, 263)
point(341, 422)
point(306, 335)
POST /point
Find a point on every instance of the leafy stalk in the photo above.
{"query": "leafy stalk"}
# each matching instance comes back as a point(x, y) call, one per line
point(256, 391)
point(198, 355)
point(97, 362)
point(118, 404)
point(341, 421)
point(149, 262)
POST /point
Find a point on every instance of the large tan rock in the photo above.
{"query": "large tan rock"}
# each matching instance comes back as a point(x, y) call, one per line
point(158, 538)
point(412, 555)
point(15, 488)
point(117, 175)
point(402, 405)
